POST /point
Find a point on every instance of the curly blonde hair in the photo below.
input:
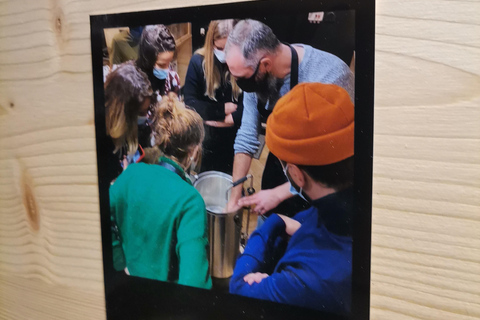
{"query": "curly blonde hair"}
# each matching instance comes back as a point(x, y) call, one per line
point(177, 130)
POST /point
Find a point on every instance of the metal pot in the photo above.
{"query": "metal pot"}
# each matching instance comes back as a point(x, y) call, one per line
point(224, 228)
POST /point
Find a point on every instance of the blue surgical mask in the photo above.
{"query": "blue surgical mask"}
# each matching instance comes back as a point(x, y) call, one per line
point(220, 54)
point(160, 73)
point(143, 120)
point(293, 189)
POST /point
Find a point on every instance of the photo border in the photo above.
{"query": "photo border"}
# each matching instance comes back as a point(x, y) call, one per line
point(130, 297)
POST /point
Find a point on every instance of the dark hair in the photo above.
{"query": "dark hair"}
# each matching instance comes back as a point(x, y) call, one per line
point(155, 39)
point(338, 176)
point(125, 91)
point(254, 39)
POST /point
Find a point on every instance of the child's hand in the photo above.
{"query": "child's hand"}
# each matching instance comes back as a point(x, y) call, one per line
point(256, 277)
point(291, 226)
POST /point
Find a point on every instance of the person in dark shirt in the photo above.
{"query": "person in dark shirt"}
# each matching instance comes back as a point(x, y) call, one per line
point(155, 53)
point(128, 96)
point(212, 92)
point(307, 260)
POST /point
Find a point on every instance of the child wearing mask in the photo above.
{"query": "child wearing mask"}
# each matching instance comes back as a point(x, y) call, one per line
point(307, 260)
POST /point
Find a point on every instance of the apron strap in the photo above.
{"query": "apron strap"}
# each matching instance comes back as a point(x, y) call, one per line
point(294, 69)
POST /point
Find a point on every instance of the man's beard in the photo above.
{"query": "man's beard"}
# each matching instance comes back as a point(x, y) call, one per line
point(271, 93)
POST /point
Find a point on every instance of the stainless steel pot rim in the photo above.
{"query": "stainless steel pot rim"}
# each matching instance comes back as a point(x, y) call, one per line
point(208, 174)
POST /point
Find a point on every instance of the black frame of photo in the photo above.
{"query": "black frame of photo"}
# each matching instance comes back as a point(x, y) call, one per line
point(137, 298)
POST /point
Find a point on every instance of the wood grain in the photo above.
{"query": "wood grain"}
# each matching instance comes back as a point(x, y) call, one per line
point(426, 222)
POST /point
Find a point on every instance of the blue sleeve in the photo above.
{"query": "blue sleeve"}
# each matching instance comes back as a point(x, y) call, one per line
point(247, 136)
point(281, 287)
point(259, 252)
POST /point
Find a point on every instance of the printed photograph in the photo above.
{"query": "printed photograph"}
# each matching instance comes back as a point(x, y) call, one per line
point(230, 155)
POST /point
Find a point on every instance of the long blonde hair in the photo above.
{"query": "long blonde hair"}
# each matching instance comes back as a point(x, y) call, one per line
point(217, 29)
point(177, 130)
point(125, 91)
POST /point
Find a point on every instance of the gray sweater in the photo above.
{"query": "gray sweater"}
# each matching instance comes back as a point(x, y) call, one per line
point(316, 66)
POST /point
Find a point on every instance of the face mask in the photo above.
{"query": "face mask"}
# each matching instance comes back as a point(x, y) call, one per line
point(141, 120)
point(152, 140)
point(160, 73)
point(220, 55)
point(293, 185)
point(193, 164)
point(249, 84)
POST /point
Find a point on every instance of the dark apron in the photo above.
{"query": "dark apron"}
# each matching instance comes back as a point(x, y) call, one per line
point(273, 174)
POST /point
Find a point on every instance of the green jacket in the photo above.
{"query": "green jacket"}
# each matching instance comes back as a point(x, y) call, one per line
point(162, 224)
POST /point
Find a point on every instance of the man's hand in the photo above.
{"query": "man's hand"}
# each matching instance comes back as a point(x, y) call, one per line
point(232, 204)
point(241, 165)
point(254, 277)
point(291, 226)
point(262, 201)
point(268, 199)
point(230, 108)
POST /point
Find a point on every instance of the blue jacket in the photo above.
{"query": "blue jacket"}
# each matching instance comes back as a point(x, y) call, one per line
point(314, 268)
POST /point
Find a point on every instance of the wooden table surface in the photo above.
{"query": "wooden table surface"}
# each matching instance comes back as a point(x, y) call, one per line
point(426, 199)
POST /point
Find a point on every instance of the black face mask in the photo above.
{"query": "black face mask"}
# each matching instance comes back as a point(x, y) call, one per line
point(249, 84)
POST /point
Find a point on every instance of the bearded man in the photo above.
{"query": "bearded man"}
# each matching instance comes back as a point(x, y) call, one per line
point(266, 69)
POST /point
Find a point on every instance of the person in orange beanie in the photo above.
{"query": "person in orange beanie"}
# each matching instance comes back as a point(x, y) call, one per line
point(306, 260)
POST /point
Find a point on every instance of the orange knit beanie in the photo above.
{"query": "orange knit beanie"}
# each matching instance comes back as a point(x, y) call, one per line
point(312, 125)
